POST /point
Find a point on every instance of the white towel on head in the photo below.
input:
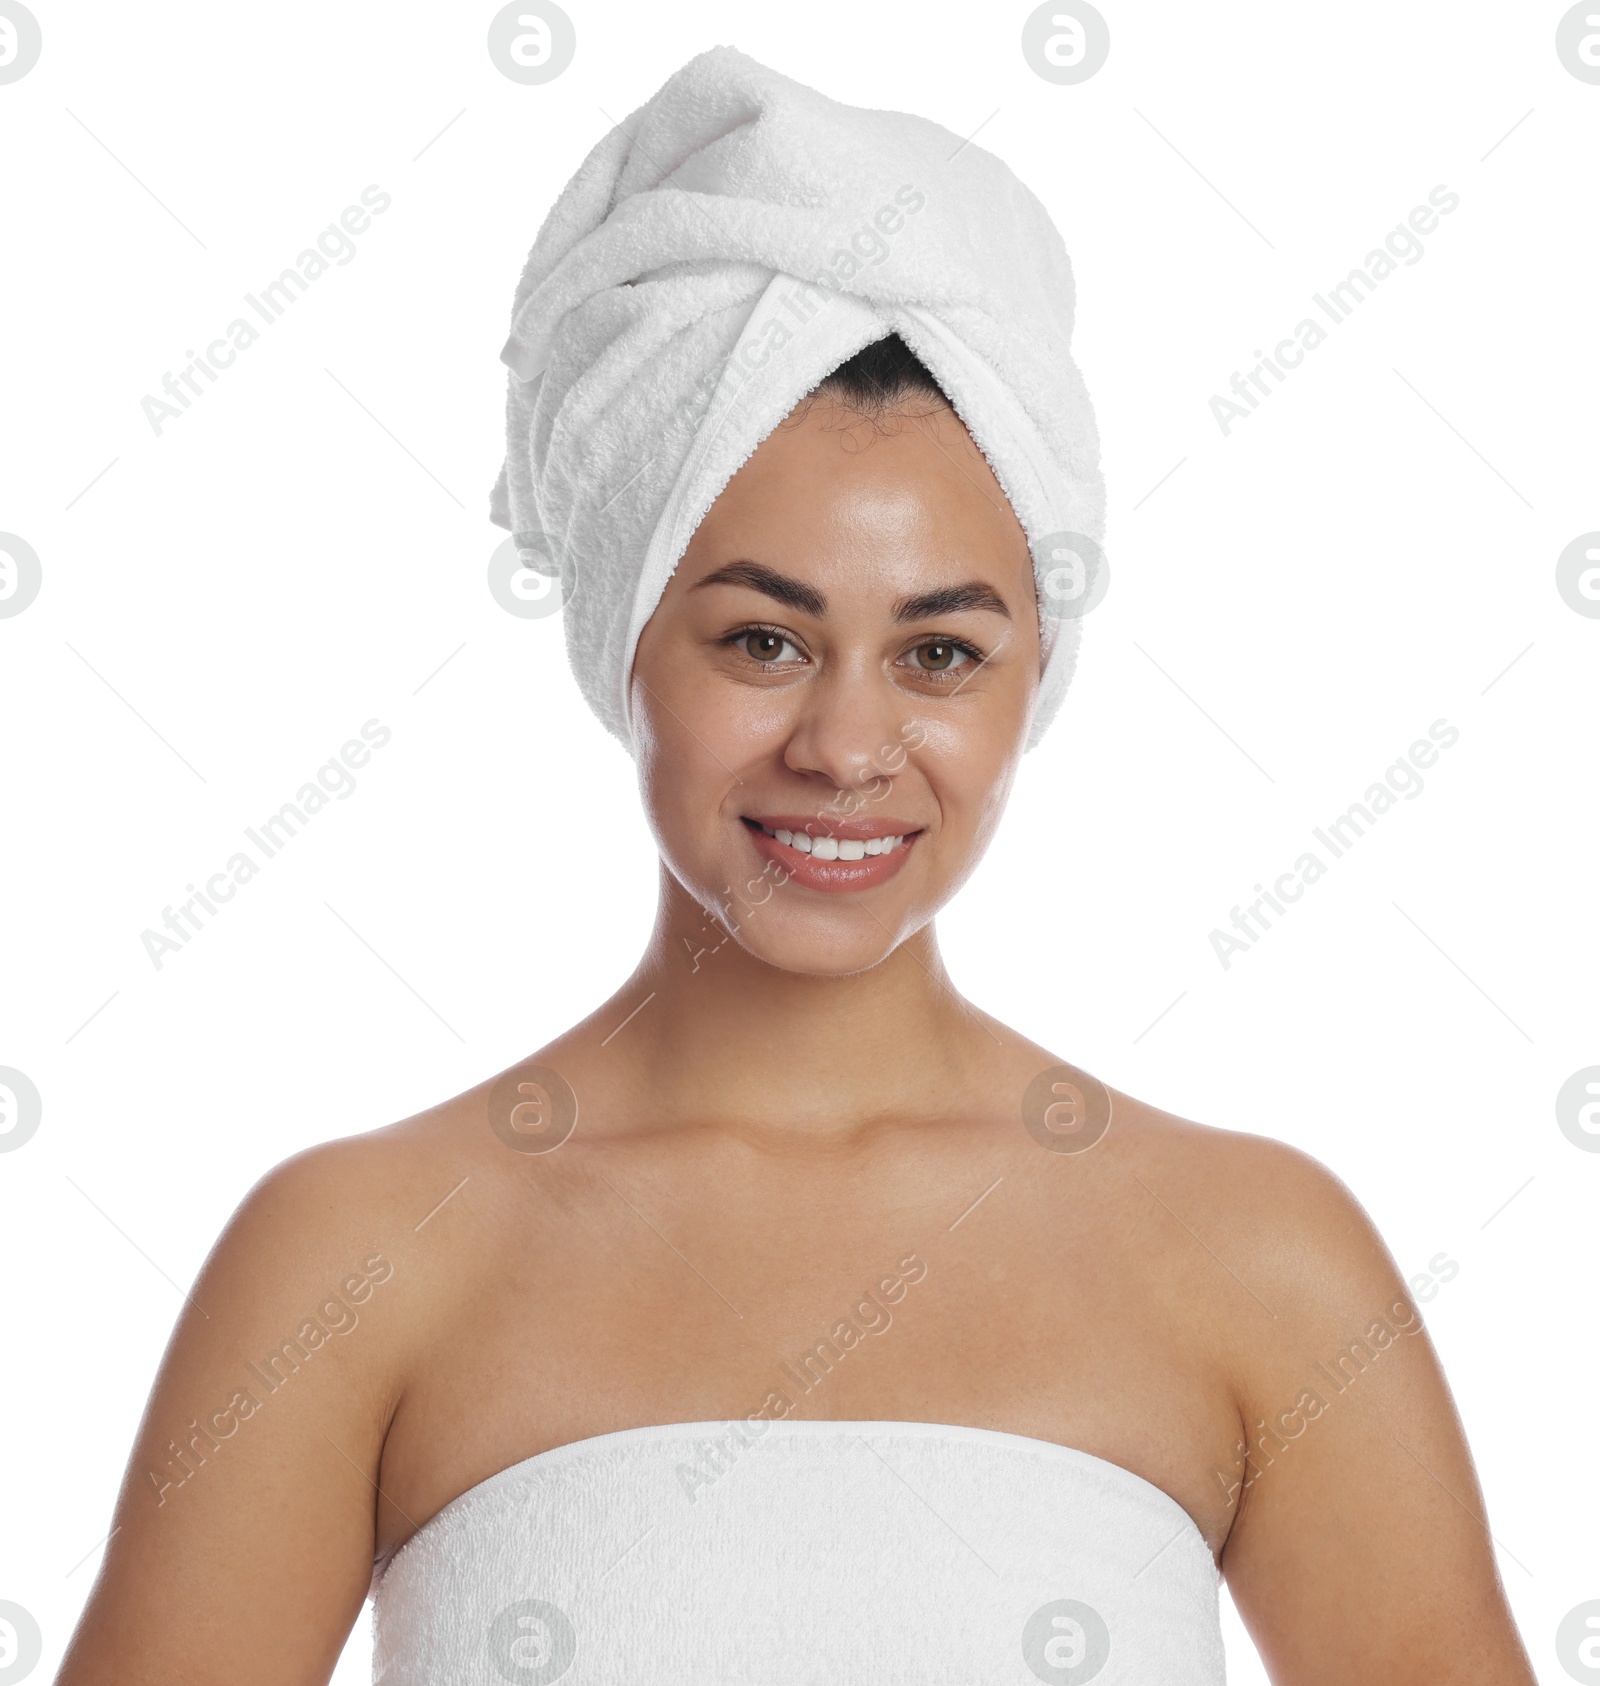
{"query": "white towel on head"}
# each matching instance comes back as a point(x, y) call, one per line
point(716, 255)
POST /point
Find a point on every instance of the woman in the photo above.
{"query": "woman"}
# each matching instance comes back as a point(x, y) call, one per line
point(790, 1318)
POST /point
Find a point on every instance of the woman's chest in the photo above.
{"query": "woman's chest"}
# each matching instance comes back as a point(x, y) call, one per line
point(984, 1310)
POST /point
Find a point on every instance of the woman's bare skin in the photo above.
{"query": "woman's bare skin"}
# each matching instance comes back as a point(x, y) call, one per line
point(770, 1120)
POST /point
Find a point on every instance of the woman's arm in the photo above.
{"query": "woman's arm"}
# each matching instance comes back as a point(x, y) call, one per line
point(243, 1535)
point(1360, 1549)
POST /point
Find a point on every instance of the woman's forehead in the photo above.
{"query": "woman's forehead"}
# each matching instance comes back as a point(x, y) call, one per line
point(899, 508)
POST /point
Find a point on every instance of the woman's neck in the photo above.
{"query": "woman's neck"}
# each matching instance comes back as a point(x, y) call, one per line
point(717, 1037)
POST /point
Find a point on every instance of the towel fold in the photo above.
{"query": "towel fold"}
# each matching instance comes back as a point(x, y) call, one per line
point(714, 257)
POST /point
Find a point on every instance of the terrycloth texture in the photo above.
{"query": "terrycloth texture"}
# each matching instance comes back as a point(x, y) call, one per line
point(823, 1554)
point(730, 243)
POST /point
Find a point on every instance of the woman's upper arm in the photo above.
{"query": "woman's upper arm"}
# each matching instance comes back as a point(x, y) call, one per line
point(242, 1543)
point(1360, 1548)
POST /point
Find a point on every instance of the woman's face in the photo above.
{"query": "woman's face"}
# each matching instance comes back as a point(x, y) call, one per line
point(849, 650)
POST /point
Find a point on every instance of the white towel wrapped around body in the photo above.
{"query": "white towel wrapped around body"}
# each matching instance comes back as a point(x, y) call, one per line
point(716, 255)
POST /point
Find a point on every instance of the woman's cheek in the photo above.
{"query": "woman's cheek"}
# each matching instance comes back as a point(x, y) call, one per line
point(970, 765)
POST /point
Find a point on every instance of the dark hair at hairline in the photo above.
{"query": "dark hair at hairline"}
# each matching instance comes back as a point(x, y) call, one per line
point(882, 377)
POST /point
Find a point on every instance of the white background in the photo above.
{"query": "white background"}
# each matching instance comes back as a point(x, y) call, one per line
point(305, 550)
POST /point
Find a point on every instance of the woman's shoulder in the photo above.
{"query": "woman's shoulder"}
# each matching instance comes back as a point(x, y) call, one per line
point(1271, 1217)
point(1248, 1173)
point(1350, 1465)
point(253, 1468)
point(388, 1183)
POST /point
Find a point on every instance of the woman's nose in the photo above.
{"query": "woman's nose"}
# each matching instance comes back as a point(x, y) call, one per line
point(850, 726)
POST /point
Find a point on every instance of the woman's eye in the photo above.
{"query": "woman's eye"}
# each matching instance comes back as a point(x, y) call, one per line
point(941, 655)
point(763, 645)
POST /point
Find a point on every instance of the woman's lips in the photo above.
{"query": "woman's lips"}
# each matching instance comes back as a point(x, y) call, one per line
point(834, 874)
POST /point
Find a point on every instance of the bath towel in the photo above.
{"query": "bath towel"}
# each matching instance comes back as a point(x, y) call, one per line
point(796, 1551)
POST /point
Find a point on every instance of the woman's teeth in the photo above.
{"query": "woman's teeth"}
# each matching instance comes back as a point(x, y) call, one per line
point(835, 848)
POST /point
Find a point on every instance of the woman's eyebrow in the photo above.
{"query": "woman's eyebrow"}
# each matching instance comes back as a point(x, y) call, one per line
point(759, 577)
point(925, 605)
point(951, 600)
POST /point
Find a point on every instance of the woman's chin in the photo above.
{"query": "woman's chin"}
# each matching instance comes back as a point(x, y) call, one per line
point(820, 956)
point(818, 944)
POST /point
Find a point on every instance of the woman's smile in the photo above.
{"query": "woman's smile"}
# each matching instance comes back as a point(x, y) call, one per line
point(836, 856)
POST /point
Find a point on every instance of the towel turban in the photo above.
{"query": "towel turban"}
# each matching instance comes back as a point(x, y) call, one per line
point(718, 254)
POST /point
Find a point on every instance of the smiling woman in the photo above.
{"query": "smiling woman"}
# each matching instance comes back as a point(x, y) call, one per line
point(603, 1414)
